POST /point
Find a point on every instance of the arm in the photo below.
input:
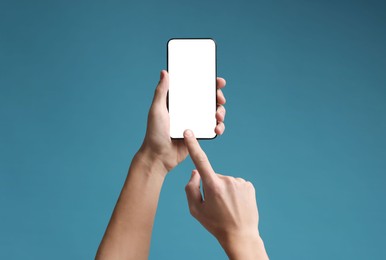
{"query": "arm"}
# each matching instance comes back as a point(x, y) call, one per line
point(129, 231)
point(229, 209)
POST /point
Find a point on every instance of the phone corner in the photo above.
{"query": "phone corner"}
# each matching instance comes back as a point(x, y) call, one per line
point(170, 39)
point(213, 40)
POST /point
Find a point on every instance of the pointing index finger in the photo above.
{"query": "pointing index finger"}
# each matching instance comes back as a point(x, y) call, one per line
point(199, 157)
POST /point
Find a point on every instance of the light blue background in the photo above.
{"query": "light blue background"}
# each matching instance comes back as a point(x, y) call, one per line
point(306, 122)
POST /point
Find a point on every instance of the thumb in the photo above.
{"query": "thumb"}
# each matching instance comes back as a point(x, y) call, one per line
point(161, 91)
point(193, 193)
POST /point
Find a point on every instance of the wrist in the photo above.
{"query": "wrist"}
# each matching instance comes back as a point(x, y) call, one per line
point(151, 161)
point(239, 246)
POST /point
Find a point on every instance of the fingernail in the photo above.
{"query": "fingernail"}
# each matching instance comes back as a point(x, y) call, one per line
point(188, 133)
point(161, 76)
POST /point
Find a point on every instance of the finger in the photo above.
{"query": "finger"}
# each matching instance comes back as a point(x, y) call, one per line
point(220, 113)
point(220, 82)
point(193, 193)
point(162, 88)
point(199, 158)
point(220, 97)
point(220, 128)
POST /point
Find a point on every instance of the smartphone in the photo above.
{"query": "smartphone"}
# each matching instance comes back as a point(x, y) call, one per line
point(191, 64)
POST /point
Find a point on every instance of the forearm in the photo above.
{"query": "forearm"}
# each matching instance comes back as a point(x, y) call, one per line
point(129, 231)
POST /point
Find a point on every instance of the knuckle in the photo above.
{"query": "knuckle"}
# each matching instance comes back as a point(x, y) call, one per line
point(229, 179)
point(193, 211)
point(153, 113)
point(232, 183)
point(157, 91)
point(250, 185)
point(217, 190)
point(189, 187)
point(240, 179)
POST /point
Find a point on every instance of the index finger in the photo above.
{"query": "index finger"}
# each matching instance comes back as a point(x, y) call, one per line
point(199, 158)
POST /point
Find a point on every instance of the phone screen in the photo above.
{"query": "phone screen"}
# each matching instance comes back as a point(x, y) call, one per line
point(192, 87)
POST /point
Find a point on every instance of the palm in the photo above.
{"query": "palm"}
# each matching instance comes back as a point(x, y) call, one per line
point(171, 151)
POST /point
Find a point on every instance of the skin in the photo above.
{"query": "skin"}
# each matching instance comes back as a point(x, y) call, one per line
point(229, 210)
point(129, 231)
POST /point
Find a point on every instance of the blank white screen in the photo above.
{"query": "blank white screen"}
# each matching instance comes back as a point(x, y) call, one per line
point(192, 87)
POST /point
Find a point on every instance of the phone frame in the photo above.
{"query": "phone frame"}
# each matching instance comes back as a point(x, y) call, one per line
point(215, 78)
